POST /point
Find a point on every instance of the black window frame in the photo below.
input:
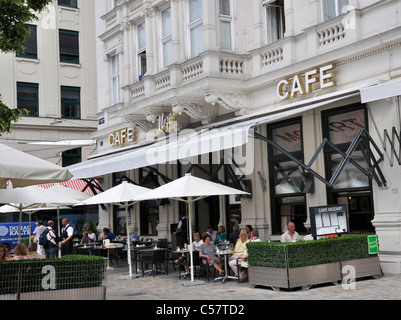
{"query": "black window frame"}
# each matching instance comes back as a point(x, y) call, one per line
point(21, 99)
point(70, 4)
point(68, 54)
point(70, 102)
point(357, 197)
point(30, 44)
point(278, 199)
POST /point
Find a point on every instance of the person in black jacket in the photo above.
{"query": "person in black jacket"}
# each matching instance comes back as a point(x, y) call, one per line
point(182, 231)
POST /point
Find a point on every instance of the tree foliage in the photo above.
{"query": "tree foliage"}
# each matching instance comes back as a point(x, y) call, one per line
point(8, 117)
point(14, 16)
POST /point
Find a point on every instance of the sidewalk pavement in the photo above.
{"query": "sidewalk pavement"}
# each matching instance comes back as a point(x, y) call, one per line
point(170, 288)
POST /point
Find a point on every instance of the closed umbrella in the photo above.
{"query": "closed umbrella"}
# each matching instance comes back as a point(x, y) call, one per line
point(189, 189)
point(123, 193)
point(25, 170)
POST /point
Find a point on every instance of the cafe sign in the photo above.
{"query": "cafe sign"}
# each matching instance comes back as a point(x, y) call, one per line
point(301, 85)
point(121, 137)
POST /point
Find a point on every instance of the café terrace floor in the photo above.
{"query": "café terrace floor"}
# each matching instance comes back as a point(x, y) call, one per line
point(170, 288)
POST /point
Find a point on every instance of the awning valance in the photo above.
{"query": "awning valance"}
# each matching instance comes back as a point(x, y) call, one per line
point(381, 91)
point(190, 143)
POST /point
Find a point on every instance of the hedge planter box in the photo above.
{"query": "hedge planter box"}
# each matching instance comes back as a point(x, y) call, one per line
point(69, 278)
point(306, 263)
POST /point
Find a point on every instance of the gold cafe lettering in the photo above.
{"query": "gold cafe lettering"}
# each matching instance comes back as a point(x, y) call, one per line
point(323, 77)
point(121, 137)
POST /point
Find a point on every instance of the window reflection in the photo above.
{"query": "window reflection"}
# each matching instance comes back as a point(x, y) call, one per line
point(351, 176)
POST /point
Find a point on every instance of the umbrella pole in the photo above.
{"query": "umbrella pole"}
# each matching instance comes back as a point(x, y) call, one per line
point(58, 228)
point(30, 230)
point(19, 226)
point(189, 204)
point(128, 241)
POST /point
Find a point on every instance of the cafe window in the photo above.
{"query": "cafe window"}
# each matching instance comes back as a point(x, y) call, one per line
point(30, 44)
point(69, 46)
point(149, 209)
point(28, 97)
point(286, 183)
point(353, 187)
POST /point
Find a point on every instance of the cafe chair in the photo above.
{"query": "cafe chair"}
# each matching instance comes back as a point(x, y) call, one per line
point(199, 267)
point(155, 259)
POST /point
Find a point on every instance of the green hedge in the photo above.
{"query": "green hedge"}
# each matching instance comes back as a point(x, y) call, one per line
point(74, 271)
point(307, 253)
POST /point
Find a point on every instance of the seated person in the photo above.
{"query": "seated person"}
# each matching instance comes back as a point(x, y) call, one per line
point(85, 239)
point(290, 235)
point(212, 233)
point(32, 252)
point(239, 249)
point(20, 252)
point(108, 234)
point(91, 235)
point(208, 250)
point(244, 261)
point(133, 237)
point(197, 241)
point(222, 236)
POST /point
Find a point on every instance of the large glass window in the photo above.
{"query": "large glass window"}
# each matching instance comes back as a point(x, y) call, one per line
point(69, 46)
point(70, 102)
point(166, 37)
point(333, 8)
point(28, 97)
point(115, 79)
point(142, 49)
point(275, 20)
point(30, 44)
point(149, 210)
point(286, 183)
point(353, 187)
point(225, 18)
point(196, 26)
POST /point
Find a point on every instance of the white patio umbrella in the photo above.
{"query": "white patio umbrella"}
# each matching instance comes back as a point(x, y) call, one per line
point(189, 189)
point(35, 197)
point(123, 193)
point(24, 170)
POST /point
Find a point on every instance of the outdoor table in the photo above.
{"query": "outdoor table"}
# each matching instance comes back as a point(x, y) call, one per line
point(148, 249)
point(225, 276)
point(85, 249)
point(135, 254)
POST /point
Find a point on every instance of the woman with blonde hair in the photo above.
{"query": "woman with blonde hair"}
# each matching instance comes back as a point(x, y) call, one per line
point(20, 252)
point(240, 248)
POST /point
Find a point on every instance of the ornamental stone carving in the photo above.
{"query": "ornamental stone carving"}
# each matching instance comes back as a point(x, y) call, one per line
point(229, 101)
point(193, 110)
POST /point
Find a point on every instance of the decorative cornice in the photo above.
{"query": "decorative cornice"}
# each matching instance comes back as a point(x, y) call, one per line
point(230, 101)
point(194, 110)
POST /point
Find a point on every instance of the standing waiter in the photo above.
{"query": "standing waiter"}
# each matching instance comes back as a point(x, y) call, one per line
point(67, 233)
point(182, 231)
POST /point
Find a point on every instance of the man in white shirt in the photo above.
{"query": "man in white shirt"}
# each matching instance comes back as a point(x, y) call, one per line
point(290, 235)
point(38, 231)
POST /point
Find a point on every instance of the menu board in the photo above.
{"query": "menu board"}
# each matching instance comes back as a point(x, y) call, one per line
point(328, 220)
